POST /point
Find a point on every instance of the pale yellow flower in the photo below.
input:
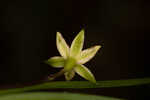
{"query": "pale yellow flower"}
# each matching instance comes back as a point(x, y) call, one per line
point(73, 58)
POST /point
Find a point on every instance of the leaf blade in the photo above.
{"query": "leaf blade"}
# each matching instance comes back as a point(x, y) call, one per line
point(62, 46)
point(79, 85)
point(55, 96)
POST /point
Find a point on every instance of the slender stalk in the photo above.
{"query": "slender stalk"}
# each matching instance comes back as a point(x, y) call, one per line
point(78, 85)
point(52, 77)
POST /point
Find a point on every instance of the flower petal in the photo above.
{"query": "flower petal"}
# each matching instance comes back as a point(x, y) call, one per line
point(57, 62)
point(85, 73)
point(69, 75)
point(88, 54)
point(62, 46)
point(77, 44)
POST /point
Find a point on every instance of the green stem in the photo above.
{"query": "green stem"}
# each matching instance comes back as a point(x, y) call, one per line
point(79, 85)
point(52, 77)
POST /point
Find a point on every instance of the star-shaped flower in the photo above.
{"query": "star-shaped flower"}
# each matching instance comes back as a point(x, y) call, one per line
point(73, 58)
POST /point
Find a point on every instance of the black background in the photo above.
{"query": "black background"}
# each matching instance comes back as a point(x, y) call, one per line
point(28, 31)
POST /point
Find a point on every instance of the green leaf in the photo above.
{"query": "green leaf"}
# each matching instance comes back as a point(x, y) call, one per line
point(56, 62)
point(88, 54)
point(62, 46)
point(69, 75)
point(77, 44)
point(54, 96)
point(78, 85)
point(85, 73)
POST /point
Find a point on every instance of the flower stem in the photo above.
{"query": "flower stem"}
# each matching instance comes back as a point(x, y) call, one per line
point(52, 77)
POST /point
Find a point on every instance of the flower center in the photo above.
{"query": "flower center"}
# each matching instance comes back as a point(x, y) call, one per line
point(69, 64)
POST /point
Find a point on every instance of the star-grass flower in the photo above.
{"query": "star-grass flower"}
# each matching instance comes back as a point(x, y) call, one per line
point(73, 58)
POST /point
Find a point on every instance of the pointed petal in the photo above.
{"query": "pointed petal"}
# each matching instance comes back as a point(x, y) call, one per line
point(69, 75)
point(77, 44)
point(62, 46)
point(88, 54)
point(56, 62)
point(85, 73)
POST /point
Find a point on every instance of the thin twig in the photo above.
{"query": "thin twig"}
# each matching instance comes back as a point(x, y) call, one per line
point(52, 77)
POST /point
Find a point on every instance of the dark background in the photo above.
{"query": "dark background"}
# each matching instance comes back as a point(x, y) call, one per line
point(28, 31)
